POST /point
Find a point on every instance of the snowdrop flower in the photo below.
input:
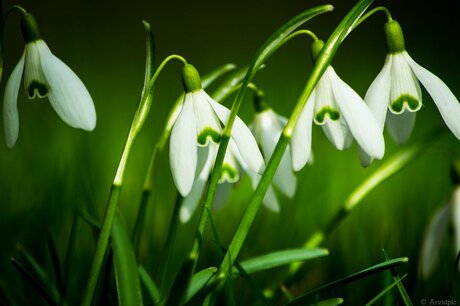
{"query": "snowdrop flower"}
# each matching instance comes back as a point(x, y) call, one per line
point(45, 76)
point(448, 215)
point(395, 95)
point(267, 128)
point(233, 162)
point(200, 122)
point(342, 114)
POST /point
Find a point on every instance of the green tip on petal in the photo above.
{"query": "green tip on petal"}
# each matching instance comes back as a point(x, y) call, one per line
point(29, 28)
point(316, 48)
point(208, 134)
point(190, 78)
point(405, 101)
point(320, 116)
point(229, 174)
point(394, 36)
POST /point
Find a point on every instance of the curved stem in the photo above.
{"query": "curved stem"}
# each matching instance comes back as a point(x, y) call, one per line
point(136, 126)
point(302, 32)
point(372, 12)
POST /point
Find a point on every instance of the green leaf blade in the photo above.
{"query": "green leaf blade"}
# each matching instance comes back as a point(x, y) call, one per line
point(280, 258)
point(124, 260)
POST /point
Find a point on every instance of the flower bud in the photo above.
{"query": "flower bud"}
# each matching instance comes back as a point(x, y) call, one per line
point(395, 37)
point(316, 48)
point(190, 78)
point(29, 28)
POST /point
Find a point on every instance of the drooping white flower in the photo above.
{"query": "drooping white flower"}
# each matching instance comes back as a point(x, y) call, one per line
point(342, 114)
point(45, 76)
point(447, 215)
point(395, 95)
point(267, 128)
point(233, 162)
point(200, 121)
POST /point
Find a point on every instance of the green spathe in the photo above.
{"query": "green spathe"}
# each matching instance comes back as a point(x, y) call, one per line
point(320, 116)
point(190, 78)
point(405, 101)
point(316, 48)
point(394, 36)
point(29, 28)
point(206, 134)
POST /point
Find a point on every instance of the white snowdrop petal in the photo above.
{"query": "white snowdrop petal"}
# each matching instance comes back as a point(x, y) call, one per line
point(183, 149)
point(432, 242)
point(10, 104)
point(405, 93)
point(359, 118)
point(400, 126)
point(443, 97)
point(247, 145)
point(285, 179)
point(378, 95)
point(456, 218)
point(35, 81)
point(68, 96)
point(301, 137)
point(268, 129)
point(338, 133)
point(270, 201)
point(206, 157)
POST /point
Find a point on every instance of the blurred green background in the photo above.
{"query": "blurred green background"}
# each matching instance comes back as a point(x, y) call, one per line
point(53, 168)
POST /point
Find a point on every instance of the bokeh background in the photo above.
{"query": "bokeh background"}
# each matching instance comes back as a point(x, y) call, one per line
point(54, 168)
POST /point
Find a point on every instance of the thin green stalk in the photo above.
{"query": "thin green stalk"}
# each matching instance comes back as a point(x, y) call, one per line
point(136, 126)
point(272, 44)
point(170, 238)
point(321, 64)
point(390, 167)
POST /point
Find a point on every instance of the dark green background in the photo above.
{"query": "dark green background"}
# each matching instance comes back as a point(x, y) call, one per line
point(54, 167)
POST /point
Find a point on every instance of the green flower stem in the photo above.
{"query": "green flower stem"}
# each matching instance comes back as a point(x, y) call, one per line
point(323, 61)
point(370, 13)
point(271, 45)
point(391, 166)
point(3, 18)
point(302, 32)
point(136, 126)
point(168, 247)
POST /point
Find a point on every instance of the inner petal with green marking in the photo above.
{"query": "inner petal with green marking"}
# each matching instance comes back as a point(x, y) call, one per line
point(405, 91)
point(207, 134)
point(405, 102)
point(37, 88)
point(325, 113)
point(229, 174)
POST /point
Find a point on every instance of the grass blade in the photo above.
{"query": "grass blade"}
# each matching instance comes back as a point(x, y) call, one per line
point(349, 279)
point(401, 288)
point(199, 281)
point(33, 280)
point(280, 258)
point(177, 294)
point(384, 291)
point(329, 302)
point(56, 264)
point(124, 260)
point(149, 285)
